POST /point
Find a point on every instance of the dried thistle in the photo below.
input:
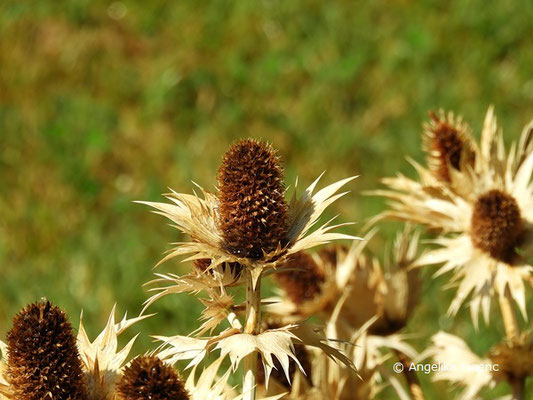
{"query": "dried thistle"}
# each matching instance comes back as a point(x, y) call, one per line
point(249, 224)
point(488, 208)
point(43, 359)
point(150, 378)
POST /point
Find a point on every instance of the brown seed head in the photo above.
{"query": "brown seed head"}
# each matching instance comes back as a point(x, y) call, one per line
point(446, 143)
point(304, 279)
point(253, 214)
point(514, 359)
point(496, 224)
point(203, 264)
point(43, 360)
point(150, 378)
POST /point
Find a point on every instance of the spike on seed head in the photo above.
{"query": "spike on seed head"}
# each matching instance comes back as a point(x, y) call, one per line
point(446, 143)
point(496, 225)
point(253, 214)
point(150, 378)
point(303, 282)
point(43, 360)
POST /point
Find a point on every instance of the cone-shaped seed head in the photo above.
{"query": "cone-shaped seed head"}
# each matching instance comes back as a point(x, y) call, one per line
point(253, 214)
point(304, 279)
point(150, 378)
point(496, 224)
point(446, 143)
point(43, 360)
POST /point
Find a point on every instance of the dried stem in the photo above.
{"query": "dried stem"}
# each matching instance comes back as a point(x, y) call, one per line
point(508, 315)
point(410, 377)
point(518, 389)
point(252, 325)
point(512, 331)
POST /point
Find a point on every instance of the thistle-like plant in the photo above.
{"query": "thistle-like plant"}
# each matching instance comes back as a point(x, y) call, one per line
point(480, 199)
point(237, 236)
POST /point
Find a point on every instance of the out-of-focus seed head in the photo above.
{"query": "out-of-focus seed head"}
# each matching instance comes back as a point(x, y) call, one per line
point(496, 225)
point(203, 264)
point(329, 254)
point(253, 213)
point(300, 277)
point(446, 143)
point(149, 378)
point(43, 360)
point(514, 358)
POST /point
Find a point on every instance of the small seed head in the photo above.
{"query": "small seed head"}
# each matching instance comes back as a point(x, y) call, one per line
point(446, 143)
point(303, 278)
point(150, 378)
point(514, 358)
point(496, 225)
point(203, 264)
point(253, 214)
point(43, 360)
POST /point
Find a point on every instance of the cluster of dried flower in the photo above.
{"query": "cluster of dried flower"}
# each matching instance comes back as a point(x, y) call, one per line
point(477, 198)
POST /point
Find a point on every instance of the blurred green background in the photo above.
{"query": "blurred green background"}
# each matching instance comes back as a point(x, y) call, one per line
point(103, 103)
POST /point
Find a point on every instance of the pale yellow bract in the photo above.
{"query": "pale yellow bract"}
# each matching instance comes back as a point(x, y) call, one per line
point(102, 362)
point(4, 386)
point(459, 365)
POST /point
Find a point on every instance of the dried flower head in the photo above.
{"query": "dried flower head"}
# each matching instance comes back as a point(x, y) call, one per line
point(248, 222)
point(514, 358)
point(150, 378)
point(496, 224)
point(43, 360)
point(300, 277)
point(488, 208)
point(253, 214)
point(366, 288)
point(448, 144)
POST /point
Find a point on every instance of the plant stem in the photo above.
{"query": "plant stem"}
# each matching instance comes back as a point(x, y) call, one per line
point(508, 315)
point(410, 377)
point(518, 389)
point(252, 325)
point(512, 331)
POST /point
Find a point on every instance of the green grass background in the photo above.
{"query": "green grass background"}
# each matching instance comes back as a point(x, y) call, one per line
point(103, 103)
